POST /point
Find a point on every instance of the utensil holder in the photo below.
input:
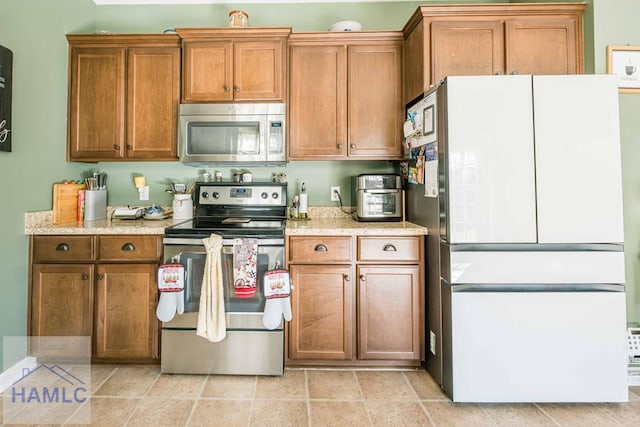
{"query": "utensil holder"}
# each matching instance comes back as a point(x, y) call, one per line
point(182, 206)
point(95, 205)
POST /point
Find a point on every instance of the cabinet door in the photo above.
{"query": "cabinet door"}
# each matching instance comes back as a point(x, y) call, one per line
point(96, 103)
point(322, 305)
point(125, 301)
point(388, 312)
point(207, 69)
point(375, 107)
point(258, 70)
point(464, 48)
point(153, 96)
point(317, 102)
point(61, 297)
point(540, 45)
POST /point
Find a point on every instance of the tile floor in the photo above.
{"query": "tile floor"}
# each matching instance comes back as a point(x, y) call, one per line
point(141, 396)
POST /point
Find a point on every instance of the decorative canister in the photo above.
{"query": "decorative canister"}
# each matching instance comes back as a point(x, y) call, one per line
point(238, 19)
point(182, 206)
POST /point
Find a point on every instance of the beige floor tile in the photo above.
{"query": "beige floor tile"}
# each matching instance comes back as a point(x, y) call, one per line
point(396, 413)
point(384, 385)
point(340, 385)
point(634, 393)
point(224, 412)
point(426, 388)
point(577, 414)
point(178, 386)
point(291, 385)
point(133, 381)
point(229, 386)
point(338, 414)
point(281, 413)
point(156, 412)
point(627, 414)
point(105, 411)
point(457, 414)
point(517, 414)
point(43, 413)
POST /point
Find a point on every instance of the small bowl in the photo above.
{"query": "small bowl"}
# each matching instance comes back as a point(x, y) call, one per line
point(154, 210)
point(346, 26)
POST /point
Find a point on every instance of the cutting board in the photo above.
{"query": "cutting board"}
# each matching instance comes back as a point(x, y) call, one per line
point(65, 202)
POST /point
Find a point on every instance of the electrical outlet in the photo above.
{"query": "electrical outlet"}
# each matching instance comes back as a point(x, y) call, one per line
point(334, 196)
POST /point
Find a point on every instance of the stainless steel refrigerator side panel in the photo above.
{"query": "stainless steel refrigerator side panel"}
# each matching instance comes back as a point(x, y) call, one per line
point(447, 338)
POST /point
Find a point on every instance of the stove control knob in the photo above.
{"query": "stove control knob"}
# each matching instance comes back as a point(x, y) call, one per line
point(205, 195)
point(264, 195)
point(216, 195)
point(275, 195)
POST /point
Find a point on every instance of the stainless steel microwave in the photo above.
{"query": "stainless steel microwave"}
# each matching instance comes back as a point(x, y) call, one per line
point(232, 133)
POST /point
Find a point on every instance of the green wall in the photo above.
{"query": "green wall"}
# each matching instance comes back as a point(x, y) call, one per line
point(35, 31)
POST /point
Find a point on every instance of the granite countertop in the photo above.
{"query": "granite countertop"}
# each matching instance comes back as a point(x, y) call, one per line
point(323, 220)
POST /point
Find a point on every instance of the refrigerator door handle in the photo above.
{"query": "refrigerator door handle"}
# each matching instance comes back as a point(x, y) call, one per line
point(537, 287)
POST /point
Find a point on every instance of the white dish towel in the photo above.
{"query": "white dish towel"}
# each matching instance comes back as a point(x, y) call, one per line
point(212, 324)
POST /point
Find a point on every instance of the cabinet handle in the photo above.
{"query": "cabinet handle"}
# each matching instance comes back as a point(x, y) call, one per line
point(85, 277)
point(226, 88)
point(339, 146)
point(321, 248)
point(129, 147)
point(128, 247)
point(514, 73)
point(352, 146)
point(347, 278)
point(236, 88)
point(363, 278)
point(389, 248)
point(62, 247)
point(499, 73)
point(100, 276)
point(116, 147)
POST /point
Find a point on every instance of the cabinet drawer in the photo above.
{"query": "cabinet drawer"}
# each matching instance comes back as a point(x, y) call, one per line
point(388, 249)
point(129, 248)
point(63, 249)
point(318, 249)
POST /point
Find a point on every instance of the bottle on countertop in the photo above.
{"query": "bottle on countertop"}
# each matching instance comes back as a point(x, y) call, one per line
point(304, 202)
point(294, 207)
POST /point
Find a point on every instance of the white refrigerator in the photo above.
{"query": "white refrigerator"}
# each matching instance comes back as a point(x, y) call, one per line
point(523, 200)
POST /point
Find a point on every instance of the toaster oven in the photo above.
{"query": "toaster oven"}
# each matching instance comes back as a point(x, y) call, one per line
point(378, 197)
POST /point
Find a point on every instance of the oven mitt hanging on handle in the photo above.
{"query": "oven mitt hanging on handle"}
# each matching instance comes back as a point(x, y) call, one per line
point(171, 287)
point(277, 291)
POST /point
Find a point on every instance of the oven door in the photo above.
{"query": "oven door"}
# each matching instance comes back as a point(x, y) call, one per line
point(241, 312)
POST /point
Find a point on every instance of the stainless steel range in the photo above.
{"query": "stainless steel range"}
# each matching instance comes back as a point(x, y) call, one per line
point(234, 211)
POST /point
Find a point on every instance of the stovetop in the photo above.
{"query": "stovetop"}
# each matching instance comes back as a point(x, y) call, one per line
point(255, 209)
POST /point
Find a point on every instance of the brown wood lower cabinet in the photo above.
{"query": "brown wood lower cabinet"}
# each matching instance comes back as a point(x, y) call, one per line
point(322, 325)
point(103, 287)
point(371, 318)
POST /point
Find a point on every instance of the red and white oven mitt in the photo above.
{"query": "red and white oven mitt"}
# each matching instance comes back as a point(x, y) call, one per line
point(245, 257)
point(171, 287)
point(277, 291)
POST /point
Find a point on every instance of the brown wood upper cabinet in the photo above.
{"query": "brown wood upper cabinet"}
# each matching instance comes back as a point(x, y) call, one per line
point(226, 64)
point(345, 99)
point(523, 38)
point(124, 93)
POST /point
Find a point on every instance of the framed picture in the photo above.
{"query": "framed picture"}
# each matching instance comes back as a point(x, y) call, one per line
point(6, 67)
point(624, 61)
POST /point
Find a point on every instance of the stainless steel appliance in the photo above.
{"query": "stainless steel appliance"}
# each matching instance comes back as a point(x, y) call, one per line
point(239, 133)
point(232, 210)
point(378, 197)
point(525, 275)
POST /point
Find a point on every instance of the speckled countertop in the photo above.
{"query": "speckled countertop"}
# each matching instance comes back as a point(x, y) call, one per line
point(324, 220)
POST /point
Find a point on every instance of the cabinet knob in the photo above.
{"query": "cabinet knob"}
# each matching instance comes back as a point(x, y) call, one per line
point(85, 277)
point(363, 278)
point(62, 247)
point(129, 147)
point(321, 248)
point(129, 247)
point(339, 146)
point(514, 73)
point(347, 278)
point(116, 147)
point(100, 276)
point(499, 73)
point(389, 248)
point(352, 146)
point(236, 88)
point(226, 88)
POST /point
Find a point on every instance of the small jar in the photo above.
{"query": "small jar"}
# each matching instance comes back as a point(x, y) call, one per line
point(218, 176)
point(238, 19)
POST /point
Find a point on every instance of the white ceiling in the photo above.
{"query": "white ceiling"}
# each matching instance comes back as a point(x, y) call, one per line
point(132, 2)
